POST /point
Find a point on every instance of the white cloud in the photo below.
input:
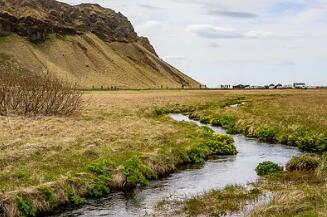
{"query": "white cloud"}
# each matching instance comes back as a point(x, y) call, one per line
point(209, 31)
point(236, 41)
point(173, 58)
point(152, 24)
point(216, 32)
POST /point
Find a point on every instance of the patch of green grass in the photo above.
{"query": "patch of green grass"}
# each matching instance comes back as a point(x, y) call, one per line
point(77, 200)
point(266, 135)
point(3, 39)
point(137, 172)
point(49, 196)
point(25, 207)
point(216, 202)
point(198, 154)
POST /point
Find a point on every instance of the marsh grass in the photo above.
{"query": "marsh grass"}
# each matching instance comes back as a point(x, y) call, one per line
point(230, 199)
point(115, 126)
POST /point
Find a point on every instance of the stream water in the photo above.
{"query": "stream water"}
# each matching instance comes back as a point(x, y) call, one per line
point(214, 174)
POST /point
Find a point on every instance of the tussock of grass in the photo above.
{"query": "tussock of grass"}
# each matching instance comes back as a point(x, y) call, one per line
point(268, 168)
point(214, 203)
point(307, 162)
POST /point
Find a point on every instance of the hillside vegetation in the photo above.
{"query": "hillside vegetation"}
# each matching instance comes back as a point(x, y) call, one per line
point(92, 63)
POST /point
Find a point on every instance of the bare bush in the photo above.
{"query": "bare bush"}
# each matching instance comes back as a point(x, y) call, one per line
point(26, 94)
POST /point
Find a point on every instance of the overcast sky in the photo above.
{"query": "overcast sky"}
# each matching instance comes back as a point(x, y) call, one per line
point(235, 41)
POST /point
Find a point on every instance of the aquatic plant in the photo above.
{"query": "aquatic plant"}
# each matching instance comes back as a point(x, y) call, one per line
point(268, 168)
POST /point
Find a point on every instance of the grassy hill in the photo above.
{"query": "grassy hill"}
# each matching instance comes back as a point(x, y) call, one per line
point(91, 62)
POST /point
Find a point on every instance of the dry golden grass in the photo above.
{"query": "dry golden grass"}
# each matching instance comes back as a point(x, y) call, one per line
point(116, 125)
point(37, 150)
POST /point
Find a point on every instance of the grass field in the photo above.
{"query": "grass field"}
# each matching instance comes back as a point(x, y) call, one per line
point(124, 128)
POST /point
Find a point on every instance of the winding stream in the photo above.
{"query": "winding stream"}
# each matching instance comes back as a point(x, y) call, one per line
point(216, 173)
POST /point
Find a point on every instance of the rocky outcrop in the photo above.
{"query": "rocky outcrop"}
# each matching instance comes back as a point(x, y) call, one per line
point(37, 19)
point(35, 30)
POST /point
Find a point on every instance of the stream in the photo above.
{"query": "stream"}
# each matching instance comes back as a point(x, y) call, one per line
point(216, 173)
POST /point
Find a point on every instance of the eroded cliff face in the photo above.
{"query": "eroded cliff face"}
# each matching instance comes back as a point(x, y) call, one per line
point(36, 19)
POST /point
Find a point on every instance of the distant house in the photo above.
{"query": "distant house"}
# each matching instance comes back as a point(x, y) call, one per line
point(271, 86)
point(279, 86)
point(299, 85)
point(288, 86)
point(241, 86)
point(224, 86)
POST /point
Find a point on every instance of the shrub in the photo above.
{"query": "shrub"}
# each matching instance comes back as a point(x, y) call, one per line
point(24, 206)
point(24, 93)
point(49, 196)
point(137, 172)
point(268, 168)
point(198, 154)
point(266, 135)
point(220, 144)
point(305, 162)
point(77, 200)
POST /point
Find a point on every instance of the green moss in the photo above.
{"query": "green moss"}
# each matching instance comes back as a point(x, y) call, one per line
point(25, 207)
point(268, 168)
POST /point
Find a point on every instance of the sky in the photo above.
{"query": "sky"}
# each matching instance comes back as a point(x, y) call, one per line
point(237, 41)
